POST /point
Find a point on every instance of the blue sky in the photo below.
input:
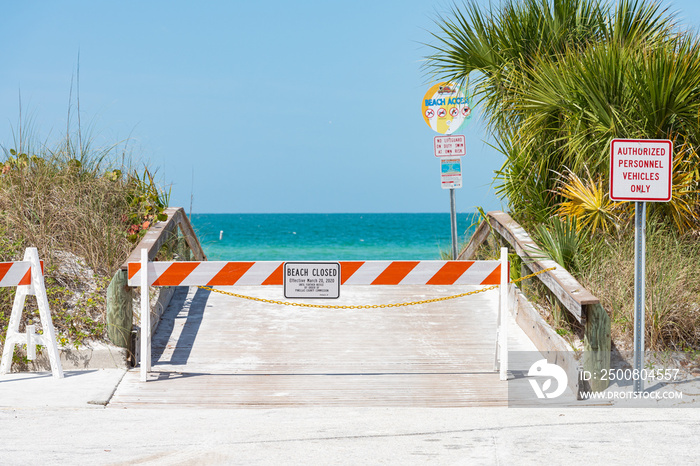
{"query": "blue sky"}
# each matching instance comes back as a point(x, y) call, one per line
point(278, 106)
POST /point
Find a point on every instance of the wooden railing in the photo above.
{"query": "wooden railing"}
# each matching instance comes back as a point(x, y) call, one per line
point(119, 293)
point(161, 232)
point(573, 297)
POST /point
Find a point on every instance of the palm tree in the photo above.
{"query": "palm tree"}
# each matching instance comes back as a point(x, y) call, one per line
point(560, 78)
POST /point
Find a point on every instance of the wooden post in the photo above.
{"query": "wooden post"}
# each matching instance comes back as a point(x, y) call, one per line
point(119, 310)
point(596, 345)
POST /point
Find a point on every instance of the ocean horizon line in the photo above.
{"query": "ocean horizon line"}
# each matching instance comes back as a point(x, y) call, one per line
point(321, 236)
point(327, 213)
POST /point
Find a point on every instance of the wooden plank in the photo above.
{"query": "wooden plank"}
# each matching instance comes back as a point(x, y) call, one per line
point(168, 389)
point(190, 237)
point(213, 350)
point(482, 232)
point(567, 300)
point(564, 286)
point(552, 346)
point(160, 232)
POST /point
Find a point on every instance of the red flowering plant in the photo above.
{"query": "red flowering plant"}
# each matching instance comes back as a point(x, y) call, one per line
point(147, 203)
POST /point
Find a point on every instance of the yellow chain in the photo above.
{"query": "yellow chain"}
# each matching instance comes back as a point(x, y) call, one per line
point(370, 306)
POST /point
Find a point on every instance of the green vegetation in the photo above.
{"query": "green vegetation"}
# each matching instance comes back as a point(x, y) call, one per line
point(84, 209)
point(672, 285)
point(559, 79)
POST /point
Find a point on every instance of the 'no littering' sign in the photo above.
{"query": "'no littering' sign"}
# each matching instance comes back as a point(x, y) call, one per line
point(640, 170)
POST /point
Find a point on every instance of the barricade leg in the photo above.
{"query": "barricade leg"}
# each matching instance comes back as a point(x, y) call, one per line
point(145, 319)
point(13, 336)
point(497, 352)
point(501, 355)
point(48, 337)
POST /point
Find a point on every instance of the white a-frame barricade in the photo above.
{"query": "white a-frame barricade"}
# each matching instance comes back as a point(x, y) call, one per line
point(217, 273)
point(28, 276)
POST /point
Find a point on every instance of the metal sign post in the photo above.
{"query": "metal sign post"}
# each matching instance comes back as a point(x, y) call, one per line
point(640, 210)
point(640, 171)
point(451, 178)
point(453, 223)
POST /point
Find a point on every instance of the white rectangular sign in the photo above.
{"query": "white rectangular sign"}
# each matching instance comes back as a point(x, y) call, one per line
point(312, 280)
point(450, 146)
point(640, 170)
point(451, 176)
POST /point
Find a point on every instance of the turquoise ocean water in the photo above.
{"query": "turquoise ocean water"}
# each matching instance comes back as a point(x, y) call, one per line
point(292, 237)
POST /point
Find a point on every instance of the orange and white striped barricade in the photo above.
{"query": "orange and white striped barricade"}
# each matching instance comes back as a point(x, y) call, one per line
point(28, 277)
point(220, 273)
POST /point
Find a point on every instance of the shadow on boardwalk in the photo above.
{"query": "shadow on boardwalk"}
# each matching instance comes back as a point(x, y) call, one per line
point(182, 306)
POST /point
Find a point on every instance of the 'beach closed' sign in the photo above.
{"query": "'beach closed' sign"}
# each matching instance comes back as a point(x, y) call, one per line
point(641, 170)
point(312, 280)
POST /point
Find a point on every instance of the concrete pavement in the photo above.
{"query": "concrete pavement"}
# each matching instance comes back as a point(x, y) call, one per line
point(50, 421)
point(78, 389)
point(91, 435)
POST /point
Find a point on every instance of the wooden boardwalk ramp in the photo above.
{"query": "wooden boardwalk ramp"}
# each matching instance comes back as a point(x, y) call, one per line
point(213, 350)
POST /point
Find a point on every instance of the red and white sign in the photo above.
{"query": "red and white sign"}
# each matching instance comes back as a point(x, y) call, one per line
point(640, 170)
point(214, 273)
point(450, 146)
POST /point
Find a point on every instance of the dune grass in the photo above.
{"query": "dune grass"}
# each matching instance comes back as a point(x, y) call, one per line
point(84, 208)
point(672, 306)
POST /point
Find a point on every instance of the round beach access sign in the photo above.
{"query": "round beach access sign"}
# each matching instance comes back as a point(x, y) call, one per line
point(446, 107)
